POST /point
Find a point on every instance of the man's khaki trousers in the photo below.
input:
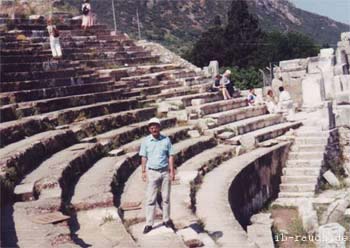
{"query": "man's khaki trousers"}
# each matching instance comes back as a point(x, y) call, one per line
point(156, 180)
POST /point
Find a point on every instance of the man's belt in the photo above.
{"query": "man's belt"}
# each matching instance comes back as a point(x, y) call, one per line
point(159, 169)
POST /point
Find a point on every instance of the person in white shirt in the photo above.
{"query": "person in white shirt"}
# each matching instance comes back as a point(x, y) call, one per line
point(285, 103)
point(54, 39)
point(88, 19)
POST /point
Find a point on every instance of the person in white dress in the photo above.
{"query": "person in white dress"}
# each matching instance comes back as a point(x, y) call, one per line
point(88, 19)
point(54, 39)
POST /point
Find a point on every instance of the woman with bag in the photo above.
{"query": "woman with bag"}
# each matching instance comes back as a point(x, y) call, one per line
point(88, 19)
point(54, 39)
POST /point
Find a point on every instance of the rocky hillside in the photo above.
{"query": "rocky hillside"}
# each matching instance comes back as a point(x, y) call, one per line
point(179, 23)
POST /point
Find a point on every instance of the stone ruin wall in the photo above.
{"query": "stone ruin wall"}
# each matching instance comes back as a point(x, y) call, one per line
point(314, 80)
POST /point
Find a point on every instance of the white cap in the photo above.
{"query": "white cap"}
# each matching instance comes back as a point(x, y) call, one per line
point(227, 72)
point(154, 121)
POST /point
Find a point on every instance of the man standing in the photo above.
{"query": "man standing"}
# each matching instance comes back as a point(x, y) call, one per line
point(157, 155)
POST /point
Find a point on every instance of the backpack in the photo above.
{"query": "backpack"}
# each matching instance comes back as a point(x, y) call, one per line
point(85, 11)
point(55, 32)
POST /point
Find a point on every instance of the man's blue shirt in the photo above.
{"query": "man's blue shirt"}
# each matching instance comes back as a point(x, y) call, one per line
point(157, 151)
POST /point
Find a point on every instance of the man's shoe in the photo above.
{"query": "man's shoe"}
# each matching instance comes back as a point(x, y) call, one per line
point(169, 224)
point(147, 229)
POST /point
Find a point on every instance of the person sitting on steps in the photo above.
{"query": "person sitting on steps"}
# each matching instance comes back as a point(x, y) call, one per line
point(227, 85)
point(216, 85)
point(251, 98)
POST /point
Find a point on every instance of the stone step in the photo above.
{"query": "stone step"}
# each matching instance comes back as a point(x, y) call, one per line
point(299, 179)
point(160, 75)
point(296, 194)
point(11, 132)
point(175, 134)
point(106, 227)
point(110, 116)
point(57, 82)
point(61, 103)
point(62, 91)
point(195, 99)
point(189, 174)
point(153, 90)
point(305, 163)
point(174, 92)
point(26, 154)
point(247, 125)
point(34, 67)
point(309, 133)
point(116, 138)
point(267, 133)
point(301, 171)
point(311, 141)
point(101, 124)
point(31, 234)
point(19, 158)
point(22, 76)
point(160, 236)
point(219, 106)
point(103, 63)
point(62, 170)
point(226, 117)
point(308, 148)
point(75, 114)
point(93, 189)
point(306, 155)
point(289, 187)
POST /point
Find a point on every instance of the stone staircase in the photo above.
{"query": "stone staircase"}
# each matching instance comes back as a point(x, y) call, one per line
point(305, 163)
point(71, 130)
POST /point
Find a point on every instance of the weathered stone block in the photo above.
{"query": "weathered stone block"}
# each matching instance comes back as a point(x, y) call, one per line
point(345, 36)
point(180, 115)
point(343, 97)
point(295, 64)
point(331, 235)
point(331, 178)
point(313, 90)
point(343, 115)
point(347, 213)
point(194, 133)
point(197, 102)
point(248, 142)
point(327, 52)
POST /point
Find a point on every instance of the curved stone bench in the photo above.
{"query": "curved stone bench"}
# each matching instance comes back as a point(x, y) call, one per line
point(240, 187)
point(51, 92)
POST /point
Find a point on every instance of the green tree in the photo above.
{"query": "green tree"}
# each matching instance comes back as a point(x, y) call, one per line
point(284, 46)
point(210, 46)
point(245, 78)
point(242, 36)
